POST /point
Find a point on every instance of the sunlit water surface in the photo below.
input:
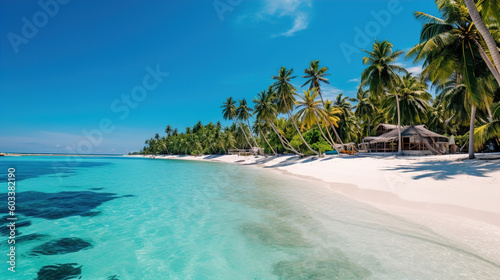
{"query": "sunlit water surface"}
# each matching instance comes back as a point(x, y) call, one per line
point(132, 218)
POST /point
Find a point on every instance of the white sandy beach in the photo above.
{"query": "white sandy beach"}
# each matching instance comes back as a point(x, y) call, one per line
point(457, 198)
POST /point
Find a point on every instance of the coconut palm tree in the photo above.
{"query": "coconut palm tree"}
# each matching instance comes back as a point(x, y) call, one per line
point(243, 113)
point(413, 101)
point(381, 75)
point(261, 128)
point(285, 92)
point(229, 113)
point(450, 47)
point(365, 108)
point(168, 130)
point(491, 9)
point(265, 109)
point(316, 76)
point(311, 112)
point(490, 130)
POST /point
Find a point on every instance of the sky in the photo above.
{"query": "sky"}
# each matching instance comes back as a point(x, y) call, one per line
point(81, 76)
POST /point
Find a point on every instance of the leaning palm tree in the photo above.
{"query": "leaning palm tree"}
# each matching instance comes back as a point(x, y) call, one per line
point(261, 128)
point(229, 113)
point(243, 113)
point(265, 109)
point(450, 47)
point(310, 112)
point(285, 92)
point(316, 76)
point(491, 9)
point(381, 75)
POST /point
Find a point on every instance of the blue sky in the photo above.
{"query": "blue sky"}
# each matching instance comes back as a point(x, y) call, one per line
point(67, 67)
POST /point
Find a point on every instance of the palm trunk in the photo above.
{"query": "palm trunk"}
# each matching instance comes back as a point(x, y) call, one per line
point(297, 128)
point(481, 27)
point(323, 134)
point(265, 139)
point(251, 135)
point(333, 127)
point(471, 132)
point(275, 129)
point(246, 138)
point(369, 126)
point(400, 151)
point(487, 60)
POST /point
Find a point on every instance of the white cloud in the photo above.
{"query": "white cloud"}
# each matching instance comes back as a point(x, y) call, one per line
point(415, 70)
point(330, 92)
point(294, 9)
point(355, 80)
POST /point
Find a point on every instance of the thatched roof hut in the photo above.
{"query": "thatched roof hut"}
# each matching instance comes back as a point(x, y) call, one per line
point(415, 138)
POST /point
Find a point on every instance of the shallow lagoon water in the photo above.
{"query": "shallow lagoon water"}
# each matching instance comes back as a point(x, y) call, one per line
point(133, 218)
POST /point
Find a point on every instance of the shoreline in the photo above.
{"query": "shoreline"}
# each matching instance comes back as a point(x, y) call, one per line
point(445, 184)
point(457, 199)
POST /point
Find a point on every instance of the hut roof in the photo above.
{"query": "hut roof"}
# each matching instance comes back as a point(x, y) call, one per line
point(406, 131)
point(386, 126)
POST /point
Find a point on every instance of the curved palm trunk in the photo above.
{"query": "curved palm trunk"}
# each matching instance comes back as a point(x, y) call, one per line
point(333, 127)
point(246, 138)
point(251, 135)
point(481, 27)
point(284, 142)
point(471, 132)
point(265, 139)
point(297, 128)
point(400, 151)
point(487, 60)
point(323, 134)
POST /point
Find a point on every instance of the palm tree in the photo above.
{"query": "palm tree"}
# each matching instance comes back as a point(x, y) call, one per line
point(448, 46)
point(259, 128)
point(413, 101)
point(265, 109)
point(285, 92)
point(243, 113)
point(487, 36)
point(316, 76)
point(168, 130)
point(311, 113)
point(489, 130)
point(381, 75)
point(229, 113)
point(365, 108)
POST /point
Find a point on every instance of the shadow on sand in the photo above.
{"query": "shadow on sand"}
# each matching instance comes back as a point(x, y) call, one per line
point(444, 170)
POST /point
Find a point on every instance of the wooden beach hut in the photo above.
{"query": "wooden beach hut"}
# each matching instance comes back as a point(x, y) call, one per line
point(416, 140)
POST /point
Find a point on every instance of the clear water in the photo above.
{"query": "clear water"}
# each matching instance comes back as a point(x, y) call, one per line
point(163, 219)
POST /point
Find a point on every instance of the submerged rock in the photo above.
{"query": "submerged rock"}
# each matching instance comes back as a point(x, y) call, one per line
point(58, 205)
point(61, 246)
point(59, 272)
point(5, 230)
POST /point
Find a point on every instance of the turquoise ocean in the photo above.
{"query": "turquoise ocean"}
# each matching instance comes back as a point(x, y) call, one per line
point(135, 218)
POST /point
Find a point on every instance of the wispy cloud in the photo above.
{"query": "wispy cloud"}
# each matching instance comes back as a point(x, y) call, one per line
point(355, 80)
point(330, 92)
point(297, 10)
point(415, 70)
